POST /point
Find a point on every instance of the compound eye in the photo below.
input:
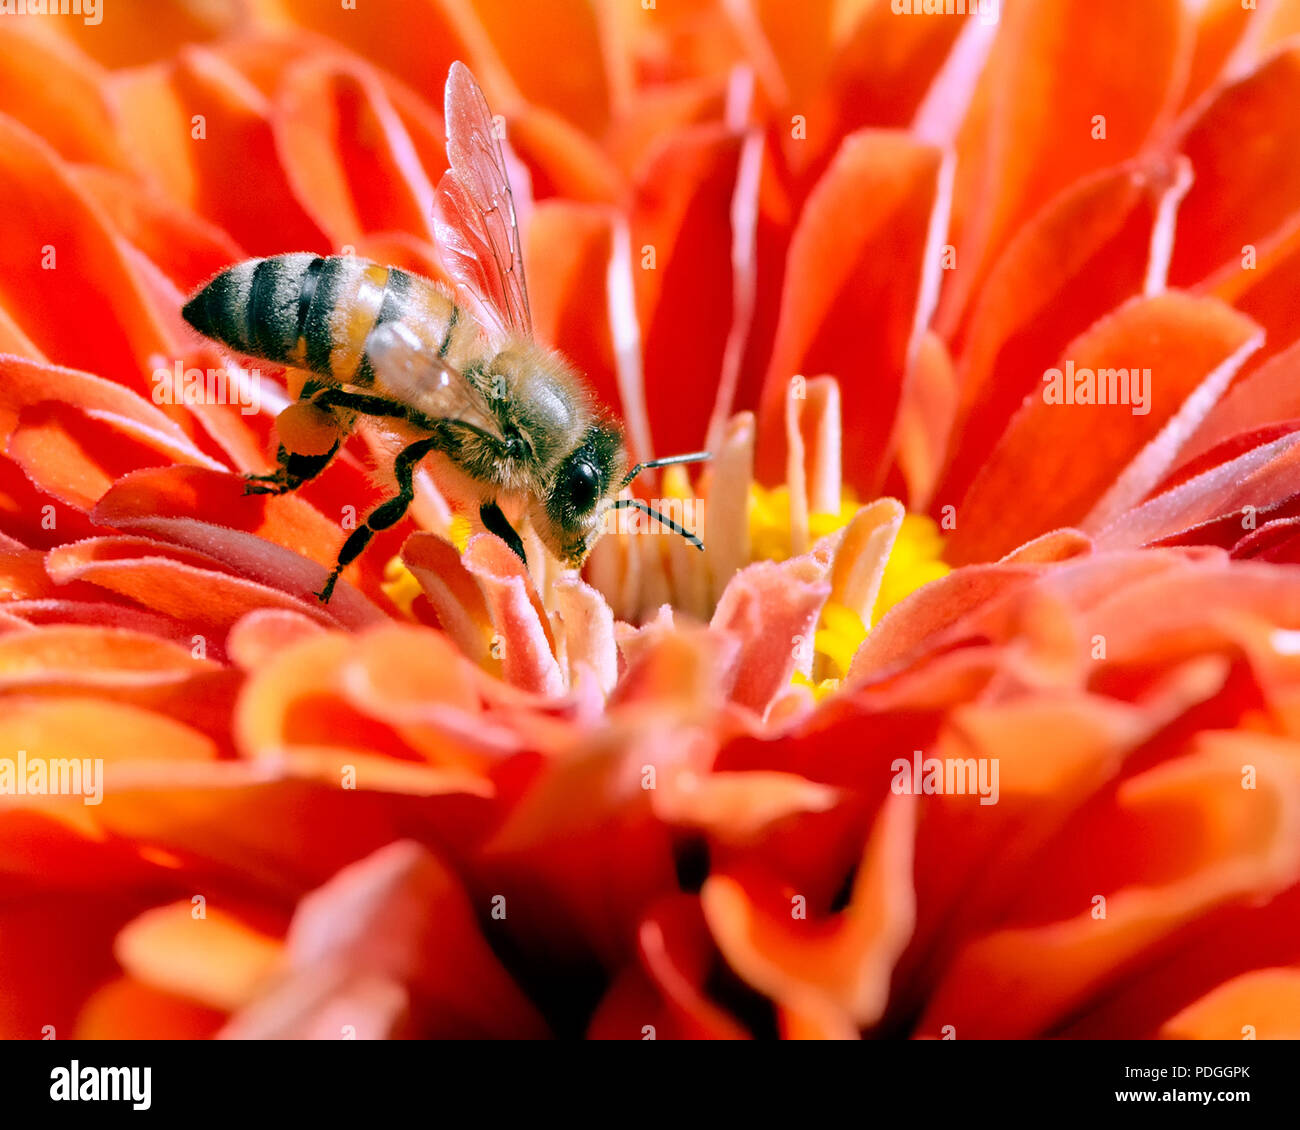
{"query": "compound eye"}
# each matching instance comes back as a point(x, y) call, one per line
point(583, 486)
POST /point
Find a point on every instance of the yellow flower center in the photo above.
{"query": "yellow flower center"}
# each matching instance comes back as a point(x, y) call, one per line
point(915, 560)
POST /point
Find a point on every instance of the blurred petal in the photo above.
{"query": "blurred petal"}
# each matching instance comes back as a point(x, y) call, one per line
point(393, 941)
point(826, 970)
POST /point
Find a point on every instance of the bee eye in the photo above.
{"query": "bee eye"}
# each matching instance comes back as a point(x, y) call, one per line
point(583, 486)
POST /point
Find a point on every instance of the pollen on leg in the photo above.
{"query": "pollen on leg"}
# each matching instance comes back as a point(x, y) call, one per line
point(306, 429)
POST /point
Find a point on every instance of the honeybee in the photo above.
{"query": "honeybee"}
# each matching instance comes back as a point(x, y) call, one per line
point(459, 379)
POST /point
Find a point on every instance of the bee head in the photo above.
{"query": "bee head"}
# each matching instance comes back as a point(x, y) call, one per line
point(568, 517)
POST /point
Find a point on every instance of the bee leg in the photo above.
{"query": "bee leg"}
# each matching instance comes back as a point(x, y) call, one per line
point(496, 523)
point(384, 515)
point(293, 470)
point(364, 403)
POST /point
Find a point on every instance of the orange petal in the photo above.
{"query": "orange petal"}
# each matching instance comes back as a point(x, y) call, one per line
point(163, 109)
point(855, 277)
point(1268, 395)
point(683, 274)
point(834, 971)
point(279, 542)
point(347, 154)
point(402, 917)
point(124, 1009)
point(568, 254)
point(528, 39)
point(1053, 71)
point(1233, 494)
point(446, 32)
point(1232, 202)
point(772, 609)
point(64, 255)
point(1089, 250)
point(883, 66)
point(1182, 839)
point(187, 249)
point(1264, 1003)
point(737, 807)
point(1222, 27)
point(1264, 289)
point(212, 958)
point(924, 419)
point(59, 94)
point(1200, 343)
point(525, 647)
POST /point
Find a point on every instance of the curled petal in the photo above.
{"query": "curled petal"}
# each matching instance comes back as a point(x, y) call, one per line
point(1089, 250)
point(772, 609)
point(525, 647)
point(835, 973)
point(388, 943)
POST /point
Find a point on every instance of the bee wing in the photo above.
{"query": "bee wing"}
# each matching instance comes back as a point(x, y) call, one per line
point(474, 209)
point(412, 373)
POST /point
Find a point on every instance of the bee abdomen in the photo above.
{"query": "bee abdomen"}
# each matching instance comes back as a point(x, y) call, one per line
point(253, 306)
point(305, 310)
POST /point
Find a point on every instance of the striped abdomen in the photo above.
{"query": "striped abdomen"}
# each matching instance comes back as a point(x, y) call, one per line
point(315, 313)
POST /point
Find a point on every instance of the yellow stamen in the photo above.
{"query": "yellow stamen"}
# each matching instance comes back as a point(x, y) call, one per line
point(400, 586)
point(676, 482)
point(839, 634)
point(820, 690)
point(459, 531)
point(769, 522)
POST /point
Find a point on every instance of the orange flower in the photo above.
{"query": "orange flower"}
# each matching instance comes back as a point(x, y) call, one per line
point(975, 718)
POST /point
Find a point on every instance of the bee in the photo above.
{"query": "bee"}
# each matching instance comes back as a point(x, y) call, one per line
point(457, 376)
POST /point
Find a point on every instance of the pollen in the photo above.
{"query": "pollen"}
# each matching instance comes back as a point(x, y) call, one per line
point(821, 688)
point(839, 634)
point(915, 560)
point(769, 521)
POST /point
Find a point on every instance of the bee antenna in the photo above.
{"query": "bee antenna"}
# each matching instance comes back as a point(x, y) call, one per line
point(642, 505)
point(667, 461)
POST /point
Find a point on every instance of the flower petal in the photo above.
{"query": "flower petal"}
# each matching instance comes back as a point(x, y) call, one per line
point(1185, 350)
point(855, 286)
